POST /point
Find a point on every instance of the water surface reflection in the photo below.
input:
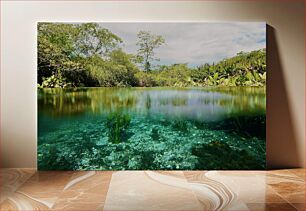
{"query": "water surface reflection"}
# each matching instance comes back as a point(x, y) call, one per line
point(205, 104)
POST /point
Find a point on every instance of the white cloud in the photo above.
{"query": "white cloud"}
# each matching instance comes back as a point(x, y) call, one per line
point(195, 43)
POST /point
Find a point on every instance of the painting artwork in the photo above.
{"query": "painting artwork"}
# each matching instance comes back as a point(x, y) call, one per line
point(151, 95)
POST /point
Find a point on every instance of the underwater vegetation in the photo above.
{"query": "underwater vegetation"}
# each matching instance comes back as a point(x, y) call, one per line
point(68, 156)
point(122, 142)
point(117, 123)
point(219, 155)
point(155, 134)
point(180, 125)
point(246, 126)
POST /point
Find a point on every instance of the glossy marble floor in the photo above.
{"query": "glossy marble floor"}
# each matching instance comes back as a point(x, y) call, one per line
point(27, 189)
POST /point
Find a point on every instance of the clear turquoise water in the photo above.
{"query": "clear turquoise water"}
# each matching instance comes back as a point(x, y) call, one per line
point(151, 128)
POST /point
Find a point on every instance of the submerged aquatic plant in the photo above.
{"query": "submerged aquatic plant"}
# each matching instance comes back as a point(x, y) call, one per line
point(246, 126)
point(180, 125)
point(117, 124)
point(50, 157)
point(155, 134)
point(219, 155)
point(147, 159)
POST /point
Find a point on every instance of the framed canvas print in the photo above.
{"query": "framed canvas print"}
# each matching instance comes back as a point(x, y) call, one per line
point(151, 96)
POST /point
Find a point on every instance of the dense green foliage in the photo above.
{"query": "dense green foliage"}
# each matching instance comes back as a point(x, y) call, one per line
point(79, 55)
point(87, 55)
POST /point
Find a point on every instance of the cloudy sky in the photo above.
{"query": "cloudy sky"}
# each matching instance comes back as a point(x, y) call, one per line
point(195, 43)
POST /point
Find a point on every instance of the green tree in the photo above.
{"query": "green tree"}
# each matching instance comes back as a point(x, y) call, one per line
point(116, 71)
point(66, 50)
point(55, 50)
point(93, 40)
point(147, 42)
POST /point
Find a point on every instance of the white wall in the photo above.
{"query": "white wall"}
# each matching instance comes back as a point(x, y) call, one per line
point(286, 94)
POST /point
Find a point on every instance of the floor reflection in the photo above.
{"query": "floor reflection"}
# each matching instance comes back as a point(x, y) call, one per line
point(27, 189)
